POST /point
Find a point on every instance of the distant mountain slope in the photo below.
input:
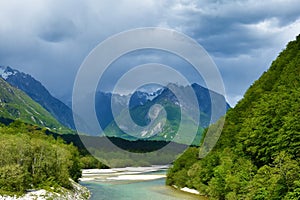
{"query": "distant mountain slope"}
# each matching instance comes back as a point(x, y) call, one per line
point(38, 93)
point(257, 155)
point(140, 98)
point(104, 99)
point(166, 131)
point(205, 98)
point(15, 104)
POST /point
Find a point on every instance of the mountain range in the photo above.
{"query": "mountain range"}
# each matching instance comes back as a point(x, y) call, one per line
point(38, 93)
point(138, 103)
point(140, 98)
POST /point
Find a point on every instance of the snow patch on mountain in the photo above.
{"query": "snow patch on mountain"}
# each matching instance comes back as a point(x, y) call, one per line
point(148, 94)
point(5, 72)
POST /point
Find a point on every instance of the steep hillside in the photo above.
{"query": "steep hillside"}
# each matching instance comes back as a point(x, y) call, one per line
point(257, 155)
point(15, 104)
point(38, 93)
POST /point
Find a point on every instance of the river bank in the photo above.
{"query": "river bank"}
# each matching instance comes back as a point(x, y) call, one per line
point(127, 173)
point(132, 183)
point(78, 192)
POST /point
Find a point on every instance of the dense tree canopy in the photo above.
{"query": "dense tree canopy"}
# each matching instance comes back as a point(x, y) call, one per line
point(30, 159)
point(257, 155)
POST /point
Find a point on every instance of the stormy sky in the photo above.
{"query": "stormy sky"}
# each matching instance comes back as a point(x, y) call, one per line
point(49, 39)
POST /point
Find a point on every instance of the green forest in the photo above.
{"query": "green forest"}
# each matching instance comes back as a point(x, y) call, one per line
point(257, 155)
point(34, 152)
point(30, 159)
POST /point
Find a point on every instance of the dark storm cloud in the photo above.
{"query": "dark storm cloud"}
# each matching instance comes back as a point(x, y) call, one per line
point(58, 31)
point(231, 28)
point(242, 36)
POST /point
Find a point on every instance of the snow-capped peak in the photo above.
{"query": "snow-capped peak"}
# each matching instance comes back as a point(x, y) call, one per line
point(149, 93)
point(154, 94)
point(5, 72)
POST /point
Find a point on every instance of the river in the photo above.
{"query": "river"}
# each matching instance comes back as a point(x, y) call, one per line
point(132, 183)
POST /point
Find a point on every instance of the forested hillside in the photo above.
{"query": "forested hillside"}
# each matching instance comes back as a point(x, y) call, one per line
point(29, 159)
point(257, 155)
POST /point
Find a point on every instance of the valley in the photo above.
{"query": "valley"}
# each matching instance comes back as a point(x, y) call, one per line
point(151, 100)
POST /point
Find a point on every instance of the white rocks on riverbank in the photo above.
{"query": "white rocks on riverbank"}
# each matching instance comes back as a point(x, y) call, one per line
point(136, 177)
point(189, 190)
point(186, 189)
point(78, 192)
point(123, 174)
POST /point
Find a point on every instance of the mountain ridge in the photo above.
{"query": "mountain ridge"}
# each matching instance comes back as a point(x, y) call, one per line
point(156, 129)
point(38, 93)
point(15, 104)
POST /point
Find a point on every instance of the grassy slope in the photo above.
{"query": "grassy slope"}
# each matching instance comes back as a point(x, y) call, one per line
point(15, 104)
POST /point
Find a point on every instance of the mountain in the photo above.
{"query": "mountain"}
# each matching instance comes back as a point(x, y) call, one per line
point(15, 104)
point(103, 106)
point(103, 103)
point(163, 124)
point(205, 98)
point(38, 93)
point(257, 155)
point(139, 98)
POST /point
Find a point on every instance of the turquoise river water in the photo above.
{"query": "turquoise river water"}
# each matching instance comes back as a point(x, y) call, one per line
point(132, 184)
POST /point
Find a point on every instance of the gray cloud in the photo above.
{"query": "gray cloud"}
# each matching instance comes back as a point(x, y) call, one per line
point(57, 31)
point(243, 37)
point(234, 27)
